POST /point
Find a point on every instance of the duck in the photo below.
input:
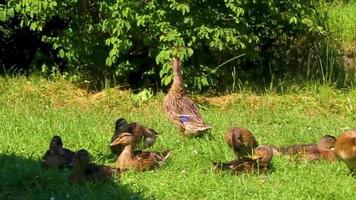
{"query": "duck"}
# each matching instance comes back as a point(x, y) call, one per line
point(56, 155)
point(142, 135)
point(241, 140)
point(345, 148)
point(259, 162)
point(137, 160)
point(84, 170)
point(180, 109)
point(324, 149)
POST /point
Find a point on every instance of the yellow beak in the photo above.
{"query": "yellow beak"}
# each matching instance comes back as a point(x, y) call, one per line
point(255, 157)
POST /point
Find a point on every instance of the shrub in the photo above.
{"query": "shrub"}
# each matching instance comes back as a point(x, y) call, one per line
point(123, 40)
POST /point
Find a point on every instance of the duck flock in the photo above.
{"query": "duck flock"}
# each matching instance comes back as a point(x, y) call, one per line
point(181, 110)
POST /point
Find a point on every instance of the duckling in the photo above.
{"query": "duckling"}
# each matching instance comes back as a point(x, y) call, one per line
point(180, 109)
point(57, 156)
point(84, 170)
point(345, 148)
point(322, 150)
point(240, 140)
point(138, 160)
point(142, 135)
point(259, 162)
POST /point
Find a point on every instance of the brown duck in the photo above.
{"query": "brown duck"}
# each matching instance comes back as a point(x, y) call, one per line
point(180, 109)
point(142, 135)
point(137, 160)
point(259, 162)
point(241, 141)
point(345, 148)
point(56, 155)
point(84, 170)
point(322, 150)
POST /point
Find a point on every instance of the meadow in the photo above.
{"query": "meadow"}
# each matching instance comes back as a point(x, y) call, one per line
point(34, 109)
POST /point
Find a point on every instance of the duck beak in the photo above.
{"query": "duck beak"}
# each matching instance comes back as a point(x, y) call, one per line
point(115, 142)
point(255, 157)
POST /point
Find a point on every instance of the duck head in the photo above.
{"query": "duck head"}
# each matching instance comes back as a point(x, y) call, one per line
point(121, 124)
point(327, 142)
point(176, 64)
point(263, 155)
point(123, 139)
point(56, 146)
point(149, 141)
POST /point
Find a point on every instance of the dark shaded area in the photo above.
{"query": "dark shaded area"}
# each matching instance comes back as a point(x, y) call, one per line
point(22, 49)
point(24, 178)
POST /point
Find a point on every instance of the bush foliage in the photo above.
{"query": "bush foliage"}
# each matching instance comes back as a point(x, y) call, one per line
point(124, 39)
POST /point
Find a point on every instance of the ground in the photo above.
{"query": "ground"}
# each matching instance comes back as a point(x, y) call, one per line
point(32, 110)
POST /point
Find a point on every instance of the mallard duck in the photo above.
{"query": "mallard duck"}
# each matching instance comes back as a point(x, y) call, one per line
point(142, 135)
point(322, 150)
point(56, 155)
point(84, 170)
point(259, 162)
point(137, 160)
point(241, 141)
point(345, 148)
point(179, 108)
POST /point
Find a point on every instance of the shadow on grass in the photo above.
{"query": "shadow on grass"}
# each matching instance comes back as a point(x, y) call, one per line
point(23, 178)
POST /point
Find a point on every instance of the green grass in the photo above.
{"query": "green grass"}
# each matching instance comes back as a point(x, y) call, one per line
point(342, 21)
point(33, 110)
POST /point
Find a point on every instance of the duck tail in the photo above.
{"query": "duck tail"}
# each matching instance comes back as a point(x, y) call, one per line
point(204, 128)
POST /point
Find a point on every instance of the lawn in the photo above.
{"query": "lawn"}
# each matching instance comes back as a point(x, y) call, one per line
point(32, 110)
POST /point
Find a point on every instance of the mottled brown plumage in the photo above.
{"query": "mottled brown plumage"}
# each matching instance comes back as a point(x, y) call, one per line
point(145, 137)
point(345, 148)
point(259, 162)
point(241, 141)
point(84, 170)
point(56, 155)
point(138, 160)
point(322, 150)
point(179, 108)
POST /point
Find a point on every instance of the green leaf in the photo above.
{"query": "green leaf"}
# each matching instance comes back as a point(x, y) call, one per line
point(293, 20)
point(61, 53)
point(108, 61)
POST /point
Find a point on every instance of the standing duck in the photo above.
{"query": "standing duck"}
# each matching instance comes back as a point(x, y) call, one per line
point(179, 108)
point(322, 150)
point(259, 162)
point(241, 141)
point(84, 170)
point(137, 160)
point(142, 135)
point(345, 148)
point(56, 155)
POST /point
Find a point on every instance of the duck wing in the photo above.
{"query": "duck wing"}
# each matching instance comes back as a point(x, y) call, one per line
point(243, 164)
point(56, 160)
point(190, 117)
point(98, 172)
point(184, 113)
point(157, 156)
point(297, 149)
point(150, 160)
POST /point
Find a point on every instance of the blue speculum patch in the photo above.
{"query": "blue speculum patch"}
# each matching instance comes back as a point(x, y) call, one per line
point(184, 118)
